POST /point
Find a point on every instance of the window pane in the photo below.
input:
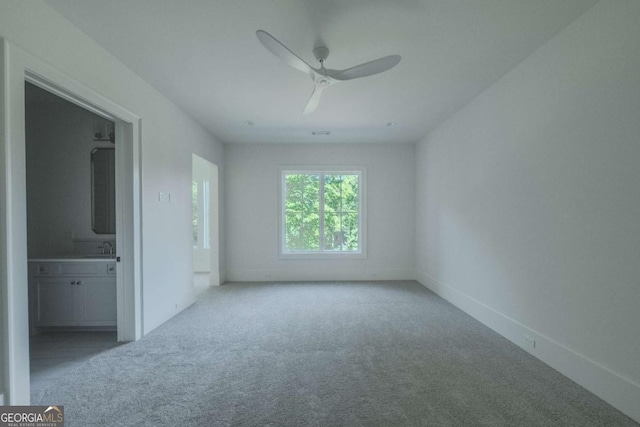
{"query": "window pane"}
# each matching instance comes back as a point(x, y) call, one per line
point(293, 234)
point(341, 212)
point(206, 217)
point(341, 231)
point(350, 189)
point(194, 202)
point(311, 232)
point(332, 193)
point(350, 230)
point(341, 193)
point(302, 212)
point(333, 237)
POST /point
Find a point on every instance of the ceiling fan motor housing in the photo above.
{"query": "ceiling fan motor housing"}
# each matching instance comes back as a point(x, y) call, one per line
point(321, 53)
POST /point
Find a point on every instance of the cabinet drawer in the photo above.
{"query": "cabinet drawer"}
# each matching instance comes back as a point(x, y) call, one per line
point(80, 269)
point(72, 269)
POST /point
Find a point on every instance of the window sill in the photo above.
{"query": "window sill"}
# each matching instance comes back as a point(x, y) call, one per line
point(321, 256)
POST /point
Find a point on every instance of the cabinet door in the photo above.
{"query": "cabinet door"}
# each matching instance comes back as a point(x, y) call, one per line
point(55, 302)
point(97, 302)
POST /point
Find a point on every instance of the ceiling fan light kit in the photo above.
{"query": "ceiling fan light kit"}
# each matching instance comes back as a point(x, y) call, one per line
point(323, 77)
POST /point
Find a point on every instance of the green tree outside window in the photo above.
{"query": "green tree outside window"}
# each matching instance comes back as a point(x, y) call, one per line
point(321, 212)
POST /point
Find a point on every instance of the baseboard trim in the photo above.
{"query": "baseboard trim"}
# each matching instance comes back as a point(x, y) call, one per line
point(328, 274)
point(613, 388)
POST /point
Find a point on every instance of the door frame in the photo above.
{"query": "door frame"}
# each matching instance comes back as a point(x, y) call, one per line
point(17, 68)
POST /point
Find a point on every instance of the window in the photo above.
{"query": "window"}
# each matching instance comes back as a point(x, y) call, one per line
point(200, 214)
point(194, 203)
point(322, 212)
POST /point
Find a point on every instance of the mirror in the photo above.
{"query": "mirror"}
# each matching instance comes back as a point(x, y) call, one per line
point(103, 194)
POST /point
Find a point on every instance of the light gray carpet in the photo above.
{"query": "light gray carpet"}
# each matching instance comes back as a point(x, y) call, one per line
point(323, 354)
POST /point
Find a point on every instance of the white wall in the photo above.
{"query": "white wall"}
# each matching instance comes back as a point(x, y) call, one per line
point(168, 137)
point(252, 209)
point(528, 204)
point(58, 150)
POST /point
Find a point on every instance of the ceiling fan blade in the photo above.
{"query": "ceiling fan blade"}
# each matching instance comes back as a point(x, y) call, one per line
point(313, 101)
point(367, 69)
point(282, 52)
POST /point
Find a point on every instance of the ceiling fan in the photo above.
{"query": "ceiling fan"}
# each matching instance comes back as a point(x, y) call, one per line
point(323, 77)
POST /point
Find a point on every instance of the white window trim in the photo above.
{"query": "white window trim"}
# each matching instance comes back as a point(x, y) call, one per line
point(362, 212)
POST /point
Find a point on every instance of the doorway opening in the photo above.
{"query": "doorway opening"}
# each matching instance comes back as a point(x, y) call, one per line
point(71, 234)
point(205, 232)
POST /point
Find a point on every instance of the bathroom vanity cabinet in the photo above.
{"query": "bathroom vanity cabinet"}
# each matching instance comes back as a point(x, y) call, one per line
point(73, 293)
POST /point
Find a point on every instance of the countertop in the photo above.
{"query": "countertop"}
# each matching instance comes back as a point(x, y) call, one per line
point(75, 258)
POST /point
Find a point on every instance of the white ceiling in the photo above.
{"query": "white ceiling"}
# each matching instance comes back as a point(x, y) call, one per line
point(204, 56)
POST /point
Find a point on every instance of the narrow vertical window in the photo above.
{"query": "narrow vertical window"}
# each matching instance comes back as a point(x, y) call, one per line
point(194, 202)
point(201, 216)
point(206, 216)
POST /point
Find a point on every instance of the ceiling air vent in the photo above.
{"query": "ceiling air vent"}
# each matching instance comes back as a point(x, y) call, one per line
point(321, 133)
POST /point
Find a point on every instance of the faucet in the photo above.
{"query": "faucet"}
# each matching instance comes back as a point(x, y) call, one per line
point(103, 247)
